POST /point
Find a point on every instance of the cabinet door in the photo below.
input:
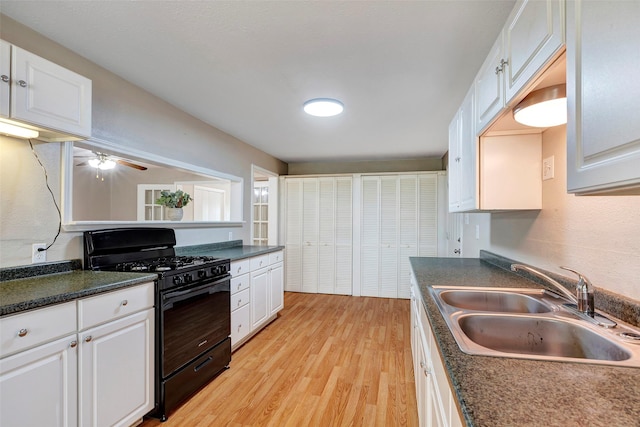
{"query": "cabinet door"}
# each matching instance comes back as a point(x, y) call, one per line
point(463, 158)
point(46, 94)
point(534, 35)
point(39, 387)
point(489, 86)
point(454, 171)
point(276, 288)
point(240, 324)
point(468, 155)
point(5, 77)
point(603, 130)
point(259, 297)
point(116, 371)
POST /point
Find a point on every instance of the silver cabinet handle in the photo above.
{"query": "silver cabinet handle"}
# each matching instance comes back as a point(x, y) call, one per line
point(22, 83)
point(456, 251)
point(4, 78)
point(239, 286)
point(239, 302)
point(88, 338)
point(125, 302)
point(73, 344)
point(23, 332)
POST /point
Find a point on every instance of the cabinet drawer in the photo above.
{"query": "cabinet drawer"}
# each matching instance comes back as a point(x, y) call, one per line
point(103, 308)
point(258, 262)
point(240, 283)
point(240, 267)
point(276, 257)
point(25, 330)
point(240, 299)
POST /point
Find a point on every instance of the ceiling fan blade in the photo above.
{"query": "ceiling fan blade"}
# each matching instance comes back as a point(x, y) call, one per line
point(82, 164)
point(131, 165)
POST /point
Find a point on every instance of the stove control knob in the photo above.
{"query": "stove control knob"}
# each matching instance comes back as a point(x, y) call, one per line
point(202, 273)
point(214, 271)
point(187, 278)
point(177, 280)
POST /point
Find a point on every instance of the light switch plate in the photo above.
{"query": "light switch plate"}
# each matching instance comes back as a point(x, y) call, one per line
point(547, 168)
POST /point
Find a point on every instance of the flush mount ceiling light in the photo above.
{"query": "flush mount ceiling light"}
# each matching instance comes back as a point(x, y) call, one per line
point(102, 162)
point(543, 108)
point(17, 131)
point(323, 107)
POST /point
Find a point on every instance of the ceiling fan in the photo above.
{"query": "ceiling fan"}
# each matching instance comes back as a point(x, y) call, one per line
point(104, 161)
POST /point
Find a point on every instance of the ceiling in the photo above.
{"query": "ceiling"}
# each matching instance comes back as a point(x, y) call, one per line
point(401, 68)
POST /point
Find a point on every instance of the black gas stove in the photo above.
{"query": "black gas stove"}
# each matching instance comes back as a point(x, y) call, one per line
point(193, 308)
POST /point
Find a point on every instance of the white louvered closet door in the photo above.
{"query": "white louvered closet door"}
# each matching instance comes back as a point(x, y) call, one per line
point(408, 224)
point(293, 234)
point(319, 216)
point(399, 220)
point(310, 221)
point(370, 236)
point(389, 223)
point(326, 235)
point(428, 215)
point(344, 236)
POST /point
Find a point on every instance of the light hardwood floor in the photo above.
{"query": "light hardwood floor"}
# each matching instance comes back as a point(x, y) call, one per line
point(328, 360)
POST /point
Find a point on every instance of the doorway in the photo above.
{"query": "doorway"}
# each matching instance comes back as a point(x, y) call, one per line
point(264, 207)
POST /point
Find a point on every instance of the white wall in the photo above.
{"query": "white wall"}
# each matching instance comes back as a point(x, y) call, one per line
point(596, 235)
point(122, 114)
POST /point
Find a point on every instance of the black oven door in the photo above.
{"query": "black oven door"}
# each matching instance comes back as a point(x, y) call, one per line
point(194, 319)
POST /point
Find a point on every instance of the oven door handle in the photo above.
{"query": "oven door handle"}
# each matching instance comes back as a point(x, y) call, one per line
point(170, 298)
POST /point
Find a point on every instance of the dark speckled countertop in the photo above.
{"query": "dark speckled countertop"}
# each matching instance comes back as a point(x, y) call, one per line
point(234, 250)
point(30, 287)
point(493, 391)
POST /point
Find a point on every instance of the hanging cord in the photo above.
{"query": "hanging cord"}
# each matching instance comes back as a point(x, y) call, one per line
point(46, 180)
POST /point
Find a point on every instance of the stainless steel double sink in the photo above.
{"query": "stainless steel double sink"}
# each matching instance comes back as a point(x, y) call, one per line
point(531, 324)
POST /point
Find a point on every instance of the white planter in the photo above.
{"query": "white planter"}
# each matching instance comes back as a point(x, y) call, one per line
point(174, 214)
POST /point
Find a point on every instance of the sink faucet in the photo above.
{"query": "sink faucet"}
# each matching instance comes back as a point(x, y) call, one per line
point(584, 290)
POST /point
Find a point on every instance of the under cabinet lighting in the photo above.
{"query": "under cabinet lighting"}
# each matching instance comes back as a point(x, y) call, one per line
point(323, 107)
point(543, 108)
point(17, 131)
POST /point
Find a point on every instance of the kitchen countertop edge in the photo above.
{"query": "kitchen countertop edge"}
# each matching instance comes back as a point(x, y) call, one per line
point(29, 293)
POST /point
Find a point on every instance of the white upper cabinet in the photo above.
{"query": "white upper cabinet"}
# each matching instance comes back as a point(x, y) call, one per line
point(532, 38)
point(489, 86)
point(603, 130)
point(44, 95)
point(5, 79)
point(463, 158)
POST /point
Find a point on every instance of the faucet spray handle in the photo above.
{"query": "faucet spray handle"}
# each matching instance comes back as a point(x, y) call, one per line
point(584, 293)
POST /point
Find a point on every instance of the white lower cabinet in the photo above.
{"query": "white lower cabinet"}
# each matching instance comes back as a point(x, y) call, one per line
point(259, 297)
point(39, 387)
point(257, 294)
point(84, 363)
point(436, 403)
point(116, 371)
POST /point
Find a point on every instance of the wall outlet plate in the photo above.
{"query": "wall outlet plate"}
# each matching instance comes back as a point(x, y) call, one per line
point(36, 255)
point(548, 168)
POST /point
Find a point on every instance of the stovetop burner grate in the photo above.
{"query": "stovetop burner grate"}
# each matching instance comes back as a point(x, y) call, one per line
point(164, 263)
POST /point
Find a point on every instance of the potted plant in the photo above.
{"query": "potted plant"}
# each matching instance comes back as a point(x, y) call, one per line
point(174, 201)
